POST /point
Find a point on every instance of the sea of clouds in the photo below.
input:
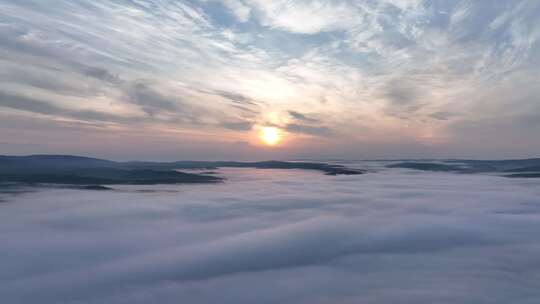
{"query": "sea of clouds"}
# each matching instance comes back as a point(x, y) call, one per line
point(277, 236)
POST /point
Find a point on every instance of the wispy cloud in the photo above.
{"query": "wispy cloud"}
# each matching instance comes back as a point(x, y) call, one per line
point(308, 129)
point(302, 117)
point(384, 64)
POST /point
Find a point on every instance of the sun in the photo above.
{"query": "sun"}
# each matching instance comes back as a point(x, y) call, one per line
point(270, 136)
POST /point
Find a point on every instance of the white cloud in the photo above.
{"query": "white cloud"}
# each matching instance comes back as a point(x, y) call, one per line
point(308, 17)
point(240, 10)
point(444, 237)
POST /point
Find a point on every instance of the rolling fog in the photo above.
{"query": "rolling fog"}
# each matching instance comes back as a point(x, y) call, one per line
point(277, 236)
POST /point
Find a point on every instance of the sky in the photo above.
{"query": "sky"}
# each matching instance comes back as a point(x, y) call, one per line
point(201, 79)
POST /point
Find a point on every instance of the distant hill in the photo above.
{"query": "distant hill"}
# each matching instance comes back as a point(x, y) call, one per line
point(529, 168)
point(328, 169)
point(46, 162)
point(78, 170)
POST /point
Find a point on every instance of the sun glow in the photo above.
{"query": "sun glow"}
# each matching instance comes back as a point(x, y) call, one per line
point(270, 136)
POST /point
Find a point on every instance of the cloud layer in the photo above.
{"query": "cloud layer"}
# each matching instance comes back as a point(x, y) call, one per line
point(271, 237)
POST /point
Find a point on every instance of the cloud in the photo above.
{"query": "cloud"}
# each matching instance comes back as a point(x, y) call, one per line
point(240, 10)
point(308, 129)
point(150, 100)
point(45, 80)
point(239, 125)
point(231, 255)
point(404, 97)
point(299, 116)
point(102, 74)
point(351, 239)
point(443, 115)
point(39, 106)
point(308, 17)
point(235, 97)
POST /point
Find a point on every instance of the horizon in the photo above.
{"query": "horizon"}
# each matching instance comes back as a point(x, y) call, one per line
point(252, 79)
point(266, 160)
